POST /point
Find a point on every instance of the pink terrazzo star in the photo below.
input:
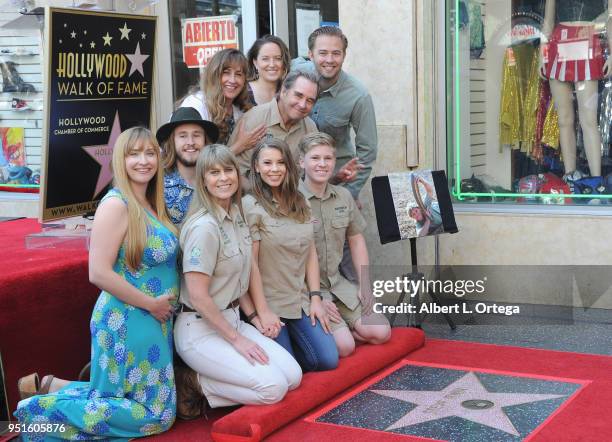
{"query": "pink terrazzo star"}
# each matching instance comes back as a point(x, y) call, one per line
point(103, 155)
point(432, 405)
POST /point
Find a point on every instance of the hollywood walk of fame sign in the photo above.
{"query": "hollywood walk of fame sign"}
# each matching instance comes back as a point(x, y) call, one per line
point(452, 404)
point(98, 82)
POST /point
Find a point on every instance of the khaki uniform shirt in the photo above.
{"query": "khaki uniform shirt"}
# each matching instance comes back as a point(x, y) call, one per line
point(220, 250)
point(335, 217)
point(283, 252)
point(269, 115)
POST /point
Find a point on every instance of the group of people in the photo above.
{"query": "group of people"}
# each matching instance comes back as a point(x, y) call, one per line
point(246, 225)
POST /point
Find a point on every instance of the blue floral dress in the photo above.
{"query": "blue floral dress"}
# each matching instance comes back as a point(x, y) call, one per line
point(131, 392)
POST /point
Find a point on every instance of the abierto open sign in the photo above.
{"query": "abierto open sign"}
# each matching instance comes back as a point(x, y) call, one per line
point(203, 37)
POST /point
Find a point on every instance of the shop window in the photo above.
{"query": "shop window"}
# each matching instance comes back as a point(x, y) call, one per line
point(530, 101)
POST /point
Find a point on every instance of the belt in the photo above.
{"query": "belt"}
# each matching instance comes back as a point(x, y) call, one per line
point(186, 309)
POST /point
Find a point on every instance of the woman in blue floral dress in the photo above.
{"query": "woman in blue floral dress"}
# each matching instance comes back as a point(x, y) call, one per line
point(132, 258)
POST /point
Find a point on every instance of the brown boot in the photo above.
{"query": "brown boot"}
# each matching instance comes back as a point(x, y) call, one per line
point(190, 401)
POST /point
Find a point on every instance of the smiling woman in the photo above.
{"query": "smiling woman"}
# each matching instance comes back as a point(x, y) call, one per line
point(132, 259)
point(268, 65)
point(285, 256)
point(235, 363)
point(223, 96)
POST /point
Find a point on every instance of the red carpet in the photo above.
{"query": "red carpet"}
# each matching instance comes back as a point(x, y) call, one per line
point(47, 299)
point(251, 423)
point(586, 417)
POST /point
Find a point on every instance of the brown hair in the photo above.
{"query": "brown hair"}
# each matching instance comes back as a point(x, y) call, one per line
point(327, 30)
point(169, 153)
point(291, 199)
point(213, 92)
point(254, 53)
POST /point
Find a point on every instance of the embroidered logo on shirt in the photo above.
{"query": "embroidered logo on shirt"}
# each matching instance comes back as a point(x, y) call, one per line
point(194, 258)
point(340, 211)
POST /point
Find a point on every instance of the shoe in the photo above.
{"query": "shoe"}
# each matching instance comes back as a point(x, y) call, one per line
point(11, 80)
point(190, 401)
point(29, 385)
point(18, 104)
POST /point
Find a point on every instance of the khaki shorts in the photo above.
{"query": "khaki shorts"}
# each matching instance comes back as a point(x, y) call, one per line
point(349, 317)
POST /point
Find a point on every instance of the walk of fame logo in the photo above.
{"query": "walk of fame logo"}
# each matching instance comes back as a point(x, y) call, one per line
point(104, 61)
point(453, 405)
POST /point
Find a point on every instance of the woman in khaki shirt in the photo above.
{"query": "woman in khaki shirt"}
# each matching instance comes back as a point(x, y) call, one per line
point(235, 363)
point(285, 256)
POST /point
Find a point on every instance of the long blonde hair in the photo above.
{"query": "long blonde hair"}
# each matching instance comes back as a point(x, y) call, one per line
point(213, 155)
point(290, 197)
point(136, 237)
point(213, 91)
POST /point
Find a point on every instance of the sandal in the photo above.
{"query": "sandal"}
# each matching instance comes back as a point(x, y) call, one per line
point(29, 385)
point(46, 384)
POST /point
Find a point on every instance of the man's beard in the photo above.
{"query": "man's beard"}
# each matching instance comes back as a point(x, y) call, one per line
point(184, 161)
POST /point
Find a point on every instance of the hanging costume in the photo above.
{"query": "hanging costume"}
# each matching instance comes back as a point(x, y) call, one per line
point(574, 52)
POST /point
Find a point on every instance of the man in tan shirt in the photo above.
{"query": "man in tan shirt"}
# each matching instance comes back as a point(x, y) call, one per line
point(285, 117)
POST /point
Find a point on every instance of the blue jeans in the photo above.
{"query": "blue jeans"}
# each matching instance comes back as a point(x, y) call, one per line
point(310, 346)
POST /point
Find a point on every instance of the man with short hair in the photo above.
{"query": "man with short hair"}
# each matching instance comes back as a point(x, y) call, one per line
point(343, 102)
point(285, 117)
point(181, 139)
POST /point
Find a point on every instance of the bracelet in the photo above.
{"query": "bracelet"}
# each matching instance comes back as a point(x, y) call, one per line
point(252, 316)
point(315, 293)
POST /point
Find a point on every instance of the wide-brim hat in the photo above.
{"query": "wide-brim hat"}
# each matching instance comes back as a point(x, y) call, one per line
point(187, 115)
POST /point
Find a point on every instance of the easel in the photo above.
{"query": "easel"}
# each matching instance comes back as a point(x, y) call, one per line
point(414, 319)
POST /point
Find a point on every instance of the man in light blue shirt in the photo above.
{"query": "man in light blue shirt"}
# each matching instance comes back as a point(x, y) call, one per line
point(343, 102)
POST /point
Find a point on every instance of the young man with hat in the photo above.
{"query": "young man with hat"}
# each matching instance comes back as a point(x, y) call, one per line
point(181, 139)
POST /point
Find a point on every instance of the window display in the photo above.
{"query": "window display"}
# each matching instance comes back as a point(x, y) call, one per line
point(531, 114)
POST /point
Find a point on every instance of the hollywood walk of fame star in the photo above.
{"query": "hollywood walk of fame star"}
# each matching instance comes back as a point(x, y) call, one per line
point(125, 32)
point(453, 400)
point(137, 60)
point(103, 155)
point(107, 39)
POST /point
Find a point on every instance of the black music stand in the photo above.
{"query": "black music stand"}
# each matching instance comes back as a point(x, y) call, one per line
point(388, 204)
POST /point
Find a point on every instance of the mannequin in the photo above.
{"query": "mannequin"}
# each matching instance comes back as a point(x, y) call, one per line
point(572, 59)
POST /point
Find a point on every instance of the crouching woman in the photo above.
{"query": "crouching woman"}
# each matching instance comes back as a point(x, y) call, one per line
point(235, 363)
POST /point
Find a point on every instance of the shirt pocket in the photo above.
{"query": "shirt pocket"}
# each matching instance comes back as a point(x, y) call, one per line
point(340, 222)
point(289, 236)
point(336, 127)
point(229, 251)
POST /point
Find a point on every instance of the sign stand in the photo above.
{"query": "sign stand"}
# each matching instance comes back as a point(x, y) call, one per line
point(414, 319)
point(70, 233)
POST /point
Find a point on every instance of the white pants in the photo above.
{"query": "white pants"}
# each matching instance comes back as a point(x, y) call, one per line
point(226, 377)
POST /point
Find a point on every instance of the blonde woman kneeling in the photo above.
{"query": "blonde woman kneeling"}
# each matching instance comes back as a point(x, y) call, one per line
point(235, 363)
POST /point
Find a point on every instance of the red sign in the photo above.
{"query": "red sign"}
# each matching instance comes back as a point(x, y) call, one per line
point(203, 37)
